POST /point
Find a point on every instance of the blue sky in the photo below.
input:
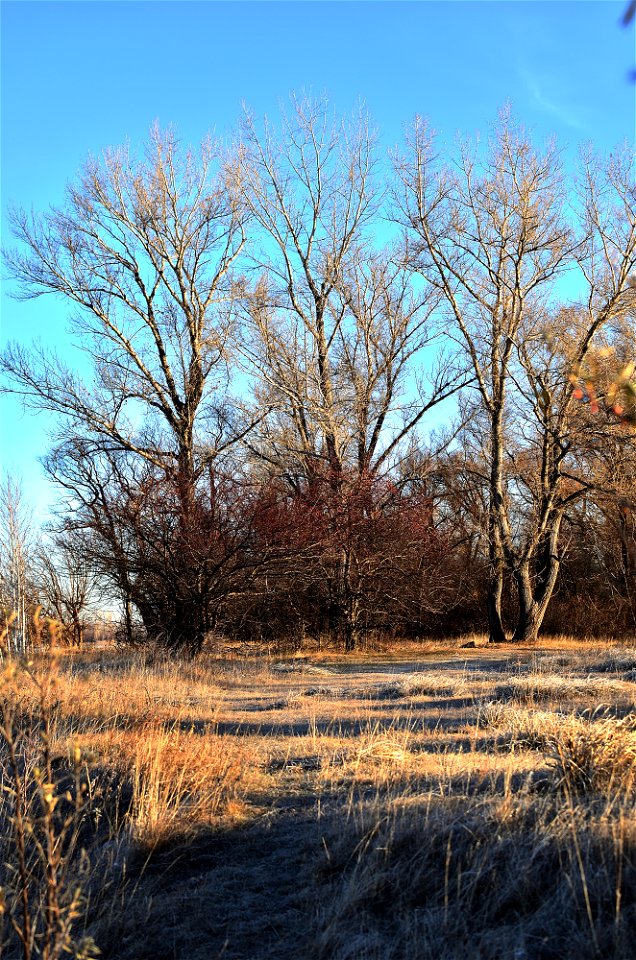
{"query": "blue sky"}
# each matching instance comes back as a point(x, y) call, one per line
point(80, 76)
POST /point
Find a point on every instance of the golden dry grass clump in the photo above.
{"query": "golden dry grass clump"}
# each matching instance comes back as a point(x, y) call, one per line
point(594, 755)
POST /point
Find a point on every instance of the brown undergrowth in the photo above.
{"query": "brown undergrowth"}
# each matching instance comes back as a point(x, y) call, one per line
point(461, 803)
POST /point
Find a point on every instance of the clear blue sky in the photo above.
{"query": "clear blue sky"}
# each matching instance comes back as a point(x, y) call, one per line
point(79, 76)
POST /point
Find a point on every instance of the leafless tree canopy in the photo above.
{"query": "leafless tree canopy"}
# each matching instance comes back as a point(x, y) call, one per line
point(144, 248)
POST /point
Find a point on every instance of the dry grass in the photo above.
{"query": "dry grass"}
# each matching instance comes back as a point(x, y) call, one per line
point(444, 802)
point(180, 784)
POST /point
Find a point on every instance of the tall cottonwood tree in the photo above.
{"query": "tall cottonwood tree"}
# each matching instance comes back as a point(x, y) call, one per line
point(560, 445)
point(493, 234)
point(143, 248)
point(336, 326)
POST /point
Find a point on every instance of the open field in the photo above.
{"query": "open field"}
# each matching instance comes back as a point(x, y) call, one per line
point(432, 802)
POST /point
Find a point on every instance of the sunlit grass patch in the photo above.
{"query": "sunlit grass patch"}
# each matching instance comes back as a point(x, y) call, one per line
point(181, 782)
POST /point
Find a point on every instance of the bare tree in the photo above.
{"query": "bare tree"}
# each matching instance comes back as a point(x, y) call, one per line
point(337, 328)
point(144, 250)
point(17, 548)
point(66, 586)
point(494, 236)
point(560, 442)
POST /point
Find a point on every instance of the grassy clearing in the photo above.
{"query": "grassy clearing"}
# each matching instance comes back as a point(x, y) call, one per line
point(443, 802)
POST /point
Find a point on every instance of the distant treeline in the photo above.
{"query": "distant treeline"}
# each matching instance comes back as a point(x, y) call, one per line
point(336, 396)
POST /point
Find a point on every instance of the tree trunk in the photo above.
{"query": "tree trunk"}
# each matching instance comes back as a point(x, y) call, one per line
point(128, 619)
point(350, 637)
point(529, 622)
point(352, 625)
point(78, 631)
point(533, 603)
point(496, 632)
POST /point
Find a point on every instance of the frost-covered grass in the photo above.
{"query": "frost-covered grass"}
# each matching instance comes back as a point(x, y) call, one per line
point(443, 802)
